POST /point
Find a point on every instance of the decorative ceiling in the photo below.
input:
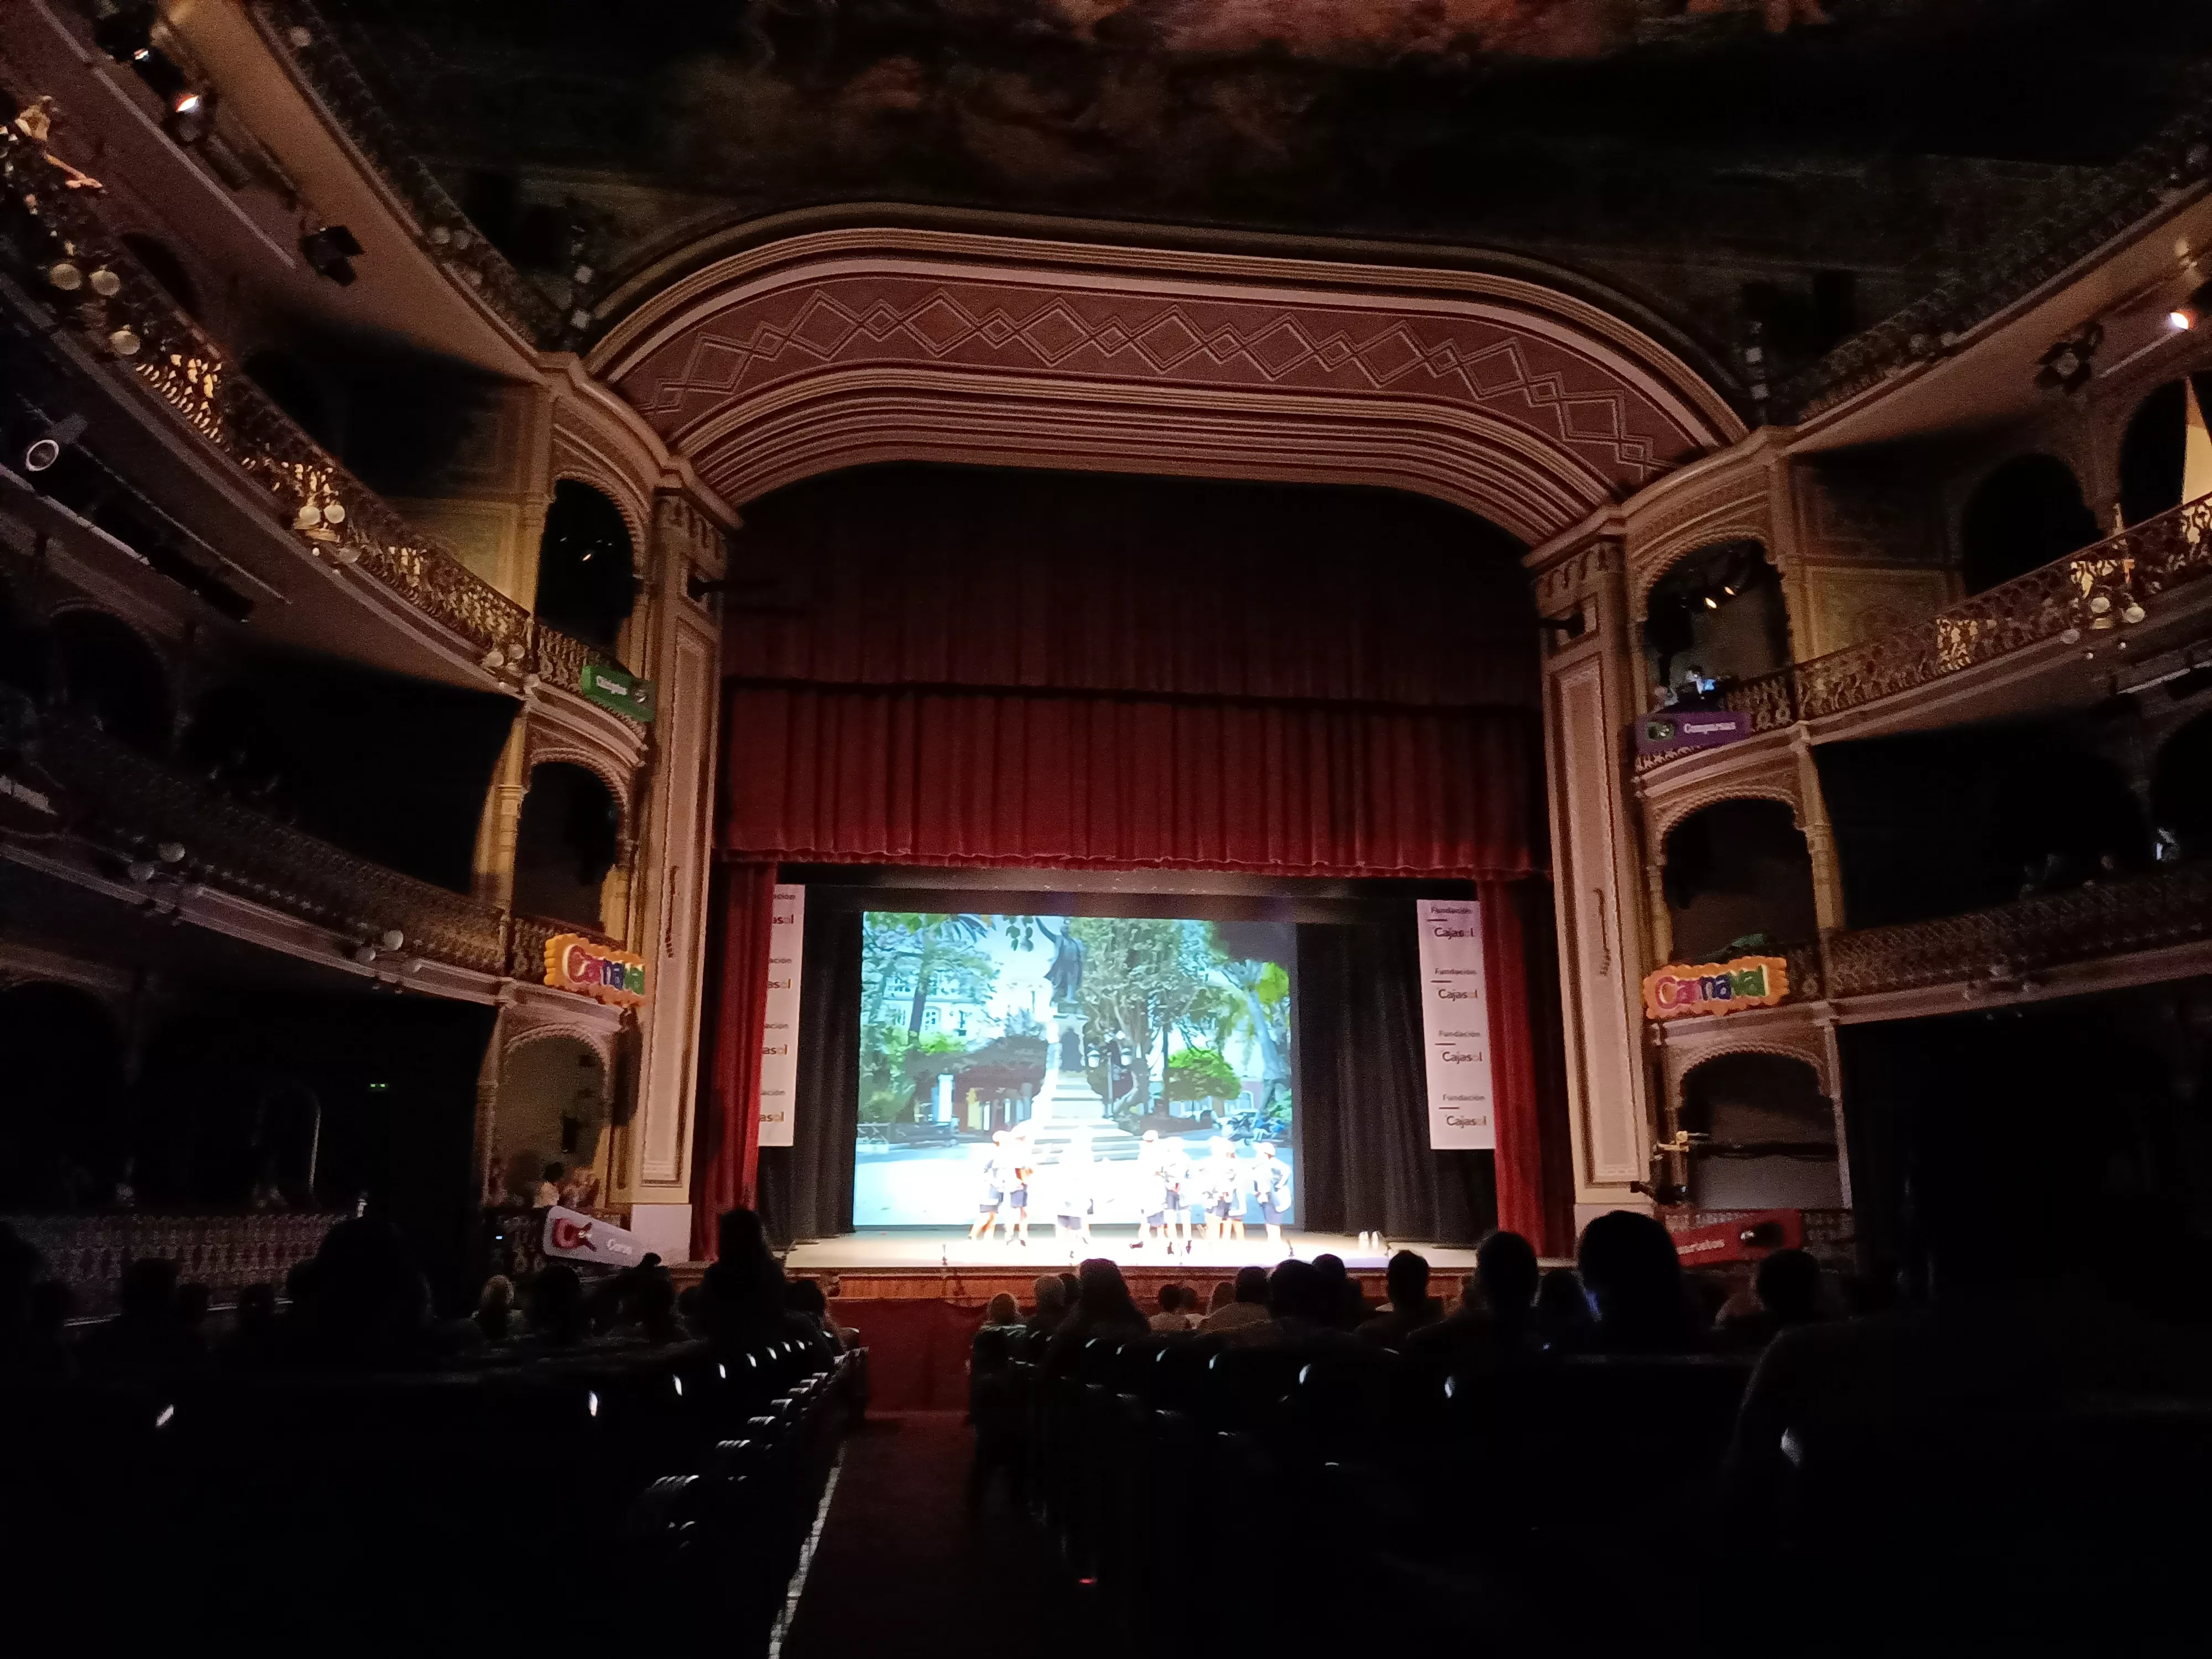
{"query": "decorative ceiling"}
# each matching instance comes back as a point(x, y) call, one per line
point(1663, 145)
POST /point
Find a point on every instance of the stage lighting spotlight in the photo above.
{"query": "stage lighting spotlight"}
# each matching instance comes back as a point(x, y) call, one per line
point(1712, 604)
point(124, 31)
point(2190, 314)
point(330, 252)
point(191, 114)
point(46, 449)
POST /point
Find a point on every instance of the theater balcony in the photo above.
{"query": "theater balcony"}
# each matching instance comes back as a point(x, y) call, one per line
point(243, 469)
point(125, 825)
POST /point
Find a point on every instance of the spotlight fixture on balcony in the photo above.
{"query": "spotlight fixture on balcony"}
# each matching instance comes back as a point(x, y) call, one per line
point(330, 252)
point(45, 450)
point(2190, 312)
point(2067, 366)
point(191, 117)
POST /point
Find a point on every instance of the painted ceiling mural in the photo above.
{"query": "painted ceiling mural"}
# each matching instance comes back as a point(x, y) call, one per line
point(1882, 137)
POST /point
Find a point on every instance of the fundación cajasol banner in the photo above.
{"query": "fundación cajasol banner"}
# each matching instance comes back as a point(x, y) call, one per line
point(1455, 1022)
point(786, 940)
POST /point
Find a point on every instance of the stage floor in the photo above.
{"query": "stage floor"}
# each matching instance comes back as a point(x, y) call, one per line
point(926, 1249)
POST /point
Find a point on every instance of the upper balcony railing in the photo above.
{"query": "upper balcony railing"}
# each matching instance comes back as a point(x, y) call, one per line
point(2111, 585)
point(171, 831)
point(1999, 946)
point(70, 261)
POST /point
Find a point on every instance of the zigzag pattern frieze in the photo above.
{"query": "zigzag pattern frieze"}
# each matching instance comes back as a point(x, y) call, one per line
point(1170, 340)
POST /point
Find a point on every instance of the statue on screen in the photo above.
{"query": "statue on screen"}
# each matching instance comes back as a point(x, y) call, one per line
point(1066, 978)
point(1066, 974)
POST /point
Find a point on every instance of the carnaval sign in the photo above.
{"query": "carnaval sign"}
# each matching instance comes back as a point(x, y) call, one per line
point(573, 963)
point(580, 1237)
point(1715, 987)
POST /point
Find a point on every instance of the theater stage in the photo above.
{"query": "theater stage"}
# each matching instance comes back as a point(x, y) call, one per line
point(893, 1262)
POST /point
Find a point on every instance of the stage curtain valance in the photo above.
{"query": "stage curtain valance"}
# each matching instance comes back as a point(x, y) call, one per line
point(861, 774)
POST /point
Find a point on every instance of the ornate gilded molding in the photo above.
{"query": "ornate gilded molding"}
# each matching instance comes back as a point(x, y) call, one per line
point(1526, 404)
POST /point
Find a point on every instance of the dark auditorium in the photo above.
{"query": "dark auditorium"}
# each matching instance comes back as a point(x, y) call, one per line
point(1109, 829)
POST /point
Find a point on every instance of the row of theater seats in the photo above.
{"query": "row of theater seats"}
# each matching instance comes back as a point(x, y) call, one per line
point(1321, 1500)
point(656, 1500)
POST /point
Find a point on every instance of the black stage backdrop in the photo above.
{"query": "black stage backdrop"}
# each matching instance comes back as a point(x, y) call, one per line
point(1363, 1097)
point(806, 1188)
point(1362, 1117)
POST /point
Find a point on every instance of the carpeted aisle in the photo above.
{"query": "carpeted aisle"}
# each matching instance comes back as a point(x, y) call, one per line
point(902, 1569)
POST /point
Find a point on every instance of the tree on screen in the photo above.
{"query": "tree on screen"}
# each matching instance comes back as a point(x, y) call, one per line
point(1263, 990)
point(1202, 1074)
point(1140, 978)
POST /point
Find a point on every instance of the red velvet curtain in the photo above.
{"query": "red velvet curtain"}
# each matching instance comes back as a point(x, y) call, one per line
point(1533, 1198)
point(983, 776)
point(726, 1152)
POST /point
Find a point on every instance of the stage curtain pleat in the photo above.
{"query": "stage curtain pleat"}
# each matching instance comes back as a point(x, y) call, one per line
point(727, 1140)
point(1527, 1045)
point(806, 1188)
point(1363, 1097)
point(865, 775)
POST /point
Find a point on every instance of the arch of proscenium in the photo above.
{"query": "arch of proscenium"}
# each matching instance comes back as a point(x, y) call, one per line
point(1525, 404)
point(1516, 399)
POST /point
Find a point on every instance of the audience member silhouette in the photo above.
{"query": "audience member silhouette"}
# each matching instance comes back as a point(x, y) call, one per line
point(1412, 1308)
point(255, 1341)
point(1563, 1311)
point(557, 1306)
point(1102, 1306)
point(1051, 1305)
point(1174, 1316)
point(1003, 1309)
point(147, 1337)
point(1634, 1280)
point(1788, 1286)
point(46, 1351)
point(1340, 1292)
point(654, 1304)
point(806, 1299)
point(745, 1299)
point(1495, 1323)
point(495, 1308)
point(1248, 1303)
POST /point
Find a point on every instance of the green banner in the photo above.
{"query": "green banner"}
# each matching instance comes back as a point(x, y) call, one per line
point(626, 694)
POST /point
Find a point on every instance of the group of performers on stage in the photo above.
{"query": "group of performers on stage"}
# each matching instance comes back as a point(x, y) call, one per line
point(1179, 1199)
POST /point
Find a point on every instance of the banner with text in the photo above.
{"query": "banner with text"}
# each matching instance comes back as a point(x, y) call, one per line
point(1455, 1019)
point(787, 938)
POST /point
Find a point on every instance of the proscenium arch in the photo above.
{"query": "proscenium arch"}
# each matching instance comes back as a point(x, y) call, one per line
point(1526, 404)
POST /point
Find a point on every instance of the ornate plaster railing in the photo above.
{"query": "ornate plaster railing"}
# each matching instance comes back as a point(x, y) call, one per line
point(2084, 219)
point(1997, 946)
point(304, 39)
point(226, 1253)
point(178, 830)
point(2102, 588)
point(528, 938)
point(72, 262)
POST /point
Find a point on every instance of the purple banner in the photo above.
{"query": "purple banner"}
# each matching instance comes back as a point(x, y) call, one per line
point(1671, 730)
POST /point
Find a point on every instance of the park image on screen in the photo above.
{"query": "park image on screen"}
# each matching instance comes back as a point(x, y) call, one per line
point(1089, 1065)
